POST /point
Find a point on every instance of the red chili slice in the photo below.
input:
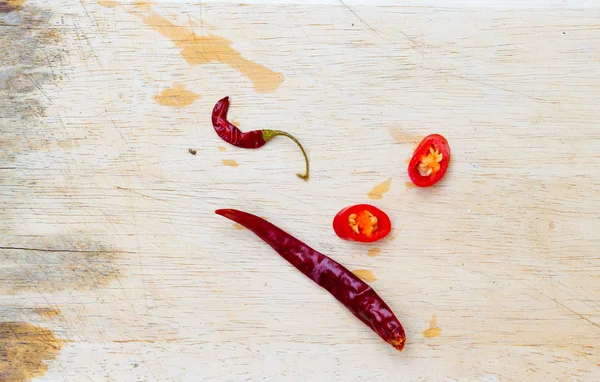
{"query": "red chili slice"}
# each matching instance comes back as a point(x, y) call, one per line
point(430, 161)
point(362, 222)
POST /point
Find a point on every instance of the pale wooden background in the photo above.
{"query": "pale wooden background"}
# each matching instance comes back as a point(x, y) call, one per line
point(110, 249)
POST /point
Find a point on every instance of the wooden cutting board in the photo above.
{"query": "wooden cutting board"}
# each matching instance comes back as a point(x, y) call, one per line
point(113, 265)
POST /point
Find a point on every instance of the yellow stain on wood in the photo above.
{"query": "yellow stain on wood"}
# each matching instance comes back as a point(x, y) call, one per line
point(7, 6)
point(238, 226)
point(396, 232)
point(142, 4)
point(230, 162)
point(108, 3)
point(135, 341)
point(176, 96)
point(433, 330)
point(402, 136)
point(409, 185)
point(236, 123)
point(48, 313)
point(203, 49)
point(378, 191)
point(25, 350)
point(365, 275)
point(374, 252)
point(222, 148)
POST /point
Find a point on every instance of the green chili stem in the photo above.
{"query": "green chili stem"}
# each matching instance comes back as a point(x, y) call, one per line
point(270, 134)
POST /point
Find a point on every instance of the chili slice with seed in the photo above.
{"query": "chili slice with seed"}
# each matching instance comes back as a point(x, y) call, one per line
point(429, 161)
point(356, 295)
point(362, 222)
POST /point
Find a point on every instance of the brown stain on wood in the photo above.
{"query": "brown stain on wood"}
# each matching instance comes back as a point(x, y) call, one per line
point(48, 313)
point(208, 48)
point(108, 3)
point(25, 350)
point(8, 6)
point(55, 263)
point(230, 162)
point(222, 148)
point(365, 275)
point(31, 54)
point(192, 151)
point(378, 191)
point(552, 225)
point(433, 330)
point(176, 96)
point(374, 252)
point(32, 57)
point(401, 136)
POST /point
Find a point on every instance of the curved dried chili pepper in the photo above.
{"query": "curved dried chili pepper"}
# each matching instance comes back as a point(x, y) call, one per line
point(362, 222)
point(429, 161)
point(250, 139)
point(348, 289)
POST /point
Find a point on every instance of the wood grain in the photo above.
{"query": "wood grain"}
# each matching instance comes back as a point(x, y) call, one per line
point(107, 218)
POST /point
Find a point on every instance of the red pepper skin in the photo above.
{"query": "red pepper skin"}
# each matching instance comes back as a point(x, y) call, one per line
point(348, 289)
point(228, 132)
point(254, 139)
point(345, 232)
point(437, 142)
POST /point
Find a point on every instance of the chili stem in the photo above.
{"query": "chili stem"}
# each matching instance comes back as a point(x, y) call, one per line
point(270, 134)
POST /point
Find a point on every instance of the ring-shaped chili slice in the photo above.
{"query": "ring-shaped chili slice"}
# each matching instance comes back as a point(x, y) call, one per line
point(362, 222)
point(429, 161)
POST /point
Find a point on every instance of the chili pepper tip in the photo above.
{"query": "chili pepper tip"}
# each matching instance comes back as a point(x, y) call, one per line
point(398, 344)
point(223, 211)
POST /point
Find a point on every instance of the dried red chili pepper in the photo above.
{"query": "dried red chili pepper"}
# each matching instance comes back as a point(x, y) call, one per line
point(362, 222)
point(250, 139)
point(348, 289)
point(429, 161)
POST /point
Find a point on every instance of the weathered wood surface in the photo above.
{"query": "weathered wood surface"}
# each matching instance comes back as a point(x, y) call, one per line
point(113, 265)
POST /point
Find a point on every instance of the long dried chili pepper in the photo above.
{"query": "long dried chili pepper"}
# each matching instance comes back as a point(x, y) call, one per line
point(250, 139)
point(348, 289)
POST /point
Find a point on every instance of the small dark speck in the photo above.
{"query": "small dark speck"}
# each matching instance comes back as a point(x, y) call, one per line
point(265, 283)
point(564, 33)
point(192, 151)
point(135, 365)
point(352, 24)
